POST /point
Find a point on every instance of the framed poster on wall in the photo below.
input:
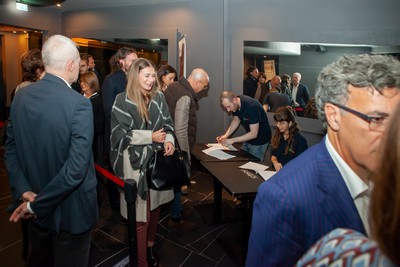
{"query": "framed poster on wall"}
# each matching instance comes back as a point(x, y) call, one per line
point(269, 69)
point(182, 57)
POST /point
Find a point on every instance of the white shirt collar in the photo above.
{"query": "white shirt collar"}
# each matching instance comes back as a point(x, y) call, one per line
point(63, 80)
point(93, 95)
point(357, 187)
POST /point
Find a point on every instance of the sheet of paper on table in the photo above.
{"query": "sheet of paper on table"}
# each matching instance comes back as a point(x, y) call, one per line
point(258, 168)
point(222, 147)
point(266, 174)
point(254, 166)
point(217, 153)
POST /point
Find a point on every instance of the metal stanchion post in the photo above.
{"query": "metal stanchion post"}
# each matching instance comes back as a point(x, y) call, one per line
point(130, 189)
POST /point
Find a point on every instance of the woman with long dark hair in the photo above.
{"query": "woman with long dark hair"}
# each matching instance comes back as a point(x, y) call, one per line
point(287, 142)
point(166, 75)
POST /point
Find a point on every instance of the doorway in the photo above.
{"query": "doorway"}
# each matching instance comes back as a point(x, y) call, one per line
point(14, 41)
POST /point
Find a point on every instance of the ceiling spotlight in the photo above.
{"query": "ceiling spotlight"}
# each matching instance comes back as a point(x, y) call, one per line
point(41, 3)
point(21, 6)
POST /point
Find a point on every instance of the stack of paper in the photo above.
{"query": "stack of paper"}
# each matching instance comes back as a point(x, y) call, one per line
point(253, 166)
point(266, 174)
point(258, 168)
point(217, 153)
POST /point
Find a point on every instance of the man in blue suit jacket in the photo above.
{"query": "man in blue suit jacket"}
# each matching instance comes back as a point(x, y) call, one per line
point(114, 84)
point(49, 161)
point(299, 94)
point(328, 185)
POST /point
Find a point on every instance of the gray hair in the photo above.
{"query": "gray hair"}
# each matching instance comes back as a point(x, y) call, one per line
point(57, 51)
point(375, 72)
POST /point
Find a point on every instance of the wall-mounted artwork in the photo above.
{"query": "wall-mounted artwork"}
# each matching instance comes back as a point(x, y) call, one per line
point(269, 69)
point(182, 57)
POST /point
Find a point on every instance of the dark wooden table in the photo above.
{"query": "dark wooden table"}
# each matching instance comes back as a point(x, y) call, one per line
point(242, 184)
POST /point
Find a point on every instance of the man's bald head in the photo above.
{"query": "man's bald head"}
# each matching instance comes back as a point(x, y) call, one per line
point(198, 79)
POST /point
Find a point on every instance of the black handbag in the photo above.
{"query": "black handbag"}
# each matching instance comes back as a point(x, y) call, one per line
point(168, 171)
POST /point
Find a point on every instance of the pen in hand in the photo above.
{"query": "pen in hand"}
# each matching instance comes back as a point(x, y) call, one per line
point(221, 140)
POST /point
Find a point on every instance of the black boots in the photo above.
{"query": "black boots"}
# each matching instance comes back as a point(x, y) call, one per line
point(152, 258)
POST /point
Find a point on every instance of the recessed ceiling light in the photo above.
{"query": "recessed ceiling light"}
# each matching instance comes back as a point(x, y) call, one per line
point(21, 6)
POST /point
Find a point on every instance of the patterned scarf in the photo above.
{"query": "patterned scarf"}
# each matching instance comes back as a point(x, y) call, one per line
point(125, 118)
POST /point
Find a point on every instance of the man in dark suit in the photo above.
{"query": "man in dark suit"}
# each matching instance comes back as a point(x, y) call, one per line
point(250, 84)
point(114, 84)
point(299, 95)
point(49, 161)
point(328, 185)
point(92, 67)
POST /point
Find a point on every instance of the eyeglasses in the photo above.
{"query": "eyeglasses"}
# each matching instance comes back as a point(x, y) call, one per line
point(376, 123)
point(280, 123)
point(205, 86)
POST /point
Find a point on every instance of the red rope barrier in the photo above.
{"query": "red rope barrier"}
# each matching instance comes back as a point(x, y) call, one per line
point(109, 175)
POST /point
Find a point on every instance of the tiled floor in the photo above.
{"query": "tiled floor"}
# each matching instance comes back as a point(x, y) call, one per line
point(210, 245)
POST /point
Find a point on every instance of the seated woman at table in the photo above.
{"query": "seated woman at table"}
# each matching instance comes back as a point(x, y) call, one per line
point(345, 247)
point(287, 142)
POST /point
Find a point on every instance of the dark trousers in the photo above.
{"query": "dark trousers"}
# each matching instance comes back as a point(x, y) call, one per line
point(62, 250)
point(112, 188)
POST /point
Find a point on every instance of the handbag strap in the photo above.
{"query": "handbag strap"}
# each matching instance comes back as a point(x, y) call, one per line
point(176, 139)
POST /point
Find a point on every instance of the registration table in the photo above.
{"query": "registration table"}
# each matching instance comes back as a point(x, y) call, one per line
point(242, 184)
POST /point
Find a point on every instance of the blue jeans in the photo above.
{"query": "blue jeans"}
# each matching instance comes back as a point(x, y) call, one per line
point(176, 206)
point(256, 150)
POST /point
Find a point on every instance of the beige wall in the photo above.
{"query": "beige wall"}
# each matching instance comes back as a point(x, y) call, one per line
point(46, 19)
point(14, 46)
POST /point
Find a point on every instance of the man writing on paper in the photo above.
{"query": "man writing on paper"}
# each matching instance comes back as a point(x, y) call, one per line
point(248, 112)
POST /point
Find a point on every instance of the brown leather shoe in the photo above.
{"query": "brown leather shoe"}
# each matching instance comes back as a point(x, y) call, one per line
point(181, 225)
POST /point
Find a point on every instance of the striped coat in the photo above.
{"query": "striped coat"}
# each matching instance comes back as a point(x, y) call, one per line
point(132, 147)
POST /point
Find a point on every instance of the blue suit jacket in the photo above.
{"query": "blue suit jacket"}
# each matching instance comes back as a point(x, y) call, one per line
point(113, 84)
point(49, 152)
point(302, 95)
point(302, 202)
